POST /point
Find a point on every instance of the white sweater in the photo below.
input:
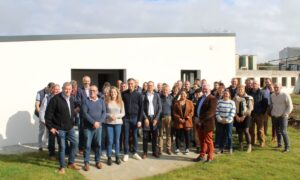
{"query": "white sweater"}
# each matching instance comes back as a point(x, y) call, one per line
point(281, 104)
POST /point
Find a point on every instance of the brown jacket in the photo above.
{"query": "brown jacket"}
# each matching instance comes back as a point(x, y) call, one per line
point(207, 113)
point(187, 115)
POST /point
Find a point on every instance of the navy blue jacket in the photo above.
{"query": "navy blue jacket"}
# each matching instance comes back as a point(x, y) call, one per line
point(260, 102)
point(133, 103)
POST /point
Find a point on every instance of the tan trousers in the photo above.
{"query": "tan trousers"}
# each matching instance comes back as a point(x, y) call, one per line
point(259, 121)
point(165, 127)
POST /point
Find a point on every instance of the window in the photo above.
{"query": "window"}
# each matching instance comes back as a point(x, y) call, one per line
point(274, 80)
point(262, 82)
point(190, 75)
point(283, 81)
point(293, 81)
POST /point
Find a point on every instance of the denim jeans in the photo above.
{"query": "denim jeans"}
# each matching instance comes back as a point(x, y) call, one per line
point(217, 133)
point(281, 124)
point(113, 136)
point(89, 136)
point(130, 124)
point(70, 136)
point(225, 135)
point(104, 138)
point(81, 143)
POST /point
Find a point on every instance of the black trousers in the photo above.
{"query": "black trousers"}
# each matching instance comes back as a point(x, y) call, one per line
point(146, 136)
point(180, 133)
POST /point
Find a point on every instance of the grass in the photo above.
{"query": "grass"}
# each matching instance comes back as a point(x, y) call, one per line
point(32, 166)
point(295, 99)
point(263, 163)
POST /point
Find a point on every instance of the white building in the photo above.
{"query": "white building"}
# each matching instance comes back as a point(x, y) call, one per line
point(247, 68)
point(30, 62)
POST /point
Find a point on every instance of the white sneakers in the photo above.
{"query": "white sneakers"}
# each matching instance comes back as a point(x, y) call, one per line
point(177, 151)
point(135, 156)
point(125, 157)
point(187, 151)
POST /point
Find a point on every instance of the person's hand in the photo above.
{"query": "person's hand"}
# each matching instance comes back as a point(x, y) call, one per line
point(146, 123)
point(113, 117)
point(242, 118)
point(139, 124)
point(223, 121)
point(154, 122)
point(53, 131)
point(96, 125)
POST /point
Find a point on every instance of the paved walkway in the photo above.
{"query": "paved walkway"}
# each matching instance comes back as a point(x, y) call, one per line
point(133, 169)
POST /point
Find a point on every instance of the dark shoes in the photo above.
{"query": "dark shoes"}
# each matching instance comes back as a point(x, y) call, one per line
point(199, 159)
point(86, 167)
point(286, 150)
point(169, 152)
point(40, 149)
point(109, 161)
point(155, 155)
point(118, 161)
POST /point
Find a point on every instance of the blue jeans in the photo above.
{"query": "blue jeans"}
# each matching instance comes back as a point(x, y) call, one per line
point(70, 136)
point(104, 138)
point(281, 124)
point(113, 136)
point(218, 134)
point(81, 132)
point(89, 136)
point(130, 124)
point(225, 135)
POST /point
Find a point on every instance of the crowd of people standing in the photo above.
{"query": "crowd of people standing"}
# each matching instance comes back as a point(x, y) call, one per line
point(113, 118)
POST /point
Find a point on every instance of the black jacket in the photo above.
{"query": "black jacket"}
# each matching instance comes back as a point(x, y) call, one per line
point(57, 113)
point(133, 104)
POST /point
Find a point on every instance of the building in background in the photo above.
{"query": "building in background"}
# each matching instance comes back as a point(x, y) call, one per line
point(247, 68)
point(33, 61)
point(289, 59)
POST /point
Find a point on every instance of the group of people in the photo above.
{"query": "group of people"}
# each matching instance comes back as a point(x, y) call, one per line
point(116, 116)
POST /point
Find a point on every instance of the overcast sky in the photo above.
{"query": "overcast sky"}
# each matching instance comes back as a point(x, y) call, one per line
point(262, 27)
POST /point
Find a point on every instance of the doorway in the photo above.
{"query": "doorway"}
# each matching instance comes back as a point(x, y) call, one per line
point(99, 76)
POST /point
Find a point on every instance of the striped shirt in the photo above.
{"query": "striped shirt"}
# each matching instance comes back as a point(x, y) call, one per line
point(225, 110)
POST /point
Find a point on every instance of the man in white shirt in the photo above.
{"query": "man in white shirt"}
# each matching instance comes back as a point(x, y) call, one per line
point(151, 113)
point(281, 108)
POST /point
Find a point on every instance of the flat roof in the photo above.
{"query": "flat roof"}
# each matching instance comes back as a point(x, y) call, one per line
point(107, 36)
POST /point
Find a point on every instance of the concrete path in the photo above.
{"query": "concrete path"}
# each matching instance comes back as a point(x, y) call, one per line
point(132, 169)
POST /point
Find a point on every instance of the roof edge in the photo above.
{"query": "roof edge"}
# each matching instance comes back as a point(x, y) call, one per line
point(107, 36)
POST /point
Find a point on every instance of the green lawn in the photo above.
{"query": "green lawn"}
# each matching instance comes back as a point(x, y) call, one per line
point(263, 163)
point(296, 99)
point(32, 166)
